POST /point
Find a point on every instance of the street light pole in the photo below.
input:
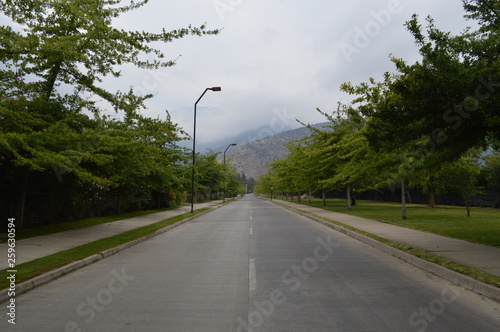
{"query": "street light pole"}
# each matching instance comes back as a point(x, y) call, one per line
point(194, 144)
point(224, 195)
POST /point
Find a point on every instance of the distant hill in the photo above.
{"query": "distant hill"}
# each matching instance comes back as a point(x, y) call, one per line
point(252, 158)
point(246, 137)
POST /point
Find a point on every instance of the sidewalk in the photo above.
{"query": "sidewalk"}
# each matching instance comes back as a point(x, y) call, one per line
point(41, 246)
point(480, 256)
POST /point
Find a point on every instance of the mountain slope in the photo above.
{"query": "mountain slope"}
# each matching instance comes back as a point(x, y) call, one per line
point(252, 158)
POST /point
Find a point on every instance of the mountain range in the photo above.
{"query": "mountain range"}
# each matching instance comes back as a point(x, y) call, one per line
point(251, 157)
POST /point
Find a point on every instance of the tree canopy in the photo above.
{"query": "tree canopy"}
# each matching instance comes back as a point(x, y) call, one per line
point(426, 124)
point(449, 100)
point(61, 156)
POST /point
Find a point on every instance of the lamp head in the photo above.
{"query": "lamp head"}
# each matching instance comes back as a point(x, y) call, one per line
point(216, 88)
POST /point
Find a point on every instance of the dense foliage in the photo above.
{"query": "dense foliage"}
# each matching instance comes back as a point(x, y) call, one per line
point(61, 157)
point(431, 125)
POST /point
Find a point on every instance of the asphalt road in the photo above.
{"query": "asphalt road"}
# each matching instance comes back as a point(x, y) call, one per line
point(251, 266)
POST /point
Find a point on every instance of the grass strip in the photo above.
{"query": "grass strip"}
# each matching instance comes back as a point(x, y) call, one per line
point(482, 227)
point(42, 265)
point(472, 272)
point(78, 224)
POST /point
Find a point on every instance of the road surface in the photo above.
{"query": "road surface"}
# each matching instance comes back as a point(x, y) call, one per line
point(251, 266)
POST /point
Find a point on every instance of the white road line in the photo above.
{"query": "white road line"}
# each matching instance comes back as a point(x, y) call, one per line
point(251, 231)
point(252, 278)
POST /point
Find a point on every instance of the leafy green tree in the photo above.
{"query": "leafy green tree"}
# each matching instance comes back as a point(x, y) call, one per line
point(301, 160)
point(491, 171)
point(444, 104)
point(489, 177)
point(450, 96)
point(74, 43)
point(40, 136)
point(353, 164)
point(49, 83)
point(287, 177)
point(209, 176)
point(233, 186)
point(264, 184)
point(321, 164)
point(144, 156)
point(462, 177)
point(212, 178)
point(233, 183)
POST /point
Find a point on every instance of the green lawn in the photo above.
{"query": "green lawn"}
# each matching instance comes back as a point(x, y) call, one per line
point(482, 227)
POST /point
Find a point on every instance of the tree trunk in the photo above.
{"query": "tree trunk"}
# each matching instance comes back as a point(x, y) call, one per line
point(430, 196)
point(310, 197)
point(408, 195)
point(51, 81)
point(467, 203)
point(323, 195)
point(403, 199)
point(348, 189)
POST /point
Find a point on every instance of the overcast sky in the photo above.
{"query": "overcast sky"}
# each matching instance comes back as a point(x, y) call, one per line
point(276, 60)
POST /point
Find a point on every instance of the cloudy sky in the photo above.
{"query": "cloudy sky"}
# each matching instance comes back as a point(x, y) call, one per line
point(276, 60)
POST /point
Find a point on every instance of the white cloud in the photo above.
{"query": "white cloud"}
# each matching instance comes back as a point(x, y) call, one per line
point(272, 55)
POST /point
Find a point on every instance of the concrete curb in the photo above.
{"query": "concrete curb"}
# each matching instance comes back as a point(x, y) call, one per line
point(42, 279)
point(457, 278)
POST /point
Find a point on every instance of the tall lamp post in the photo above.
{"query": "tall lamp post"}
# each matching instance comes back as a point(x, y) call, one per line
point(216, 89)
point(224, 196)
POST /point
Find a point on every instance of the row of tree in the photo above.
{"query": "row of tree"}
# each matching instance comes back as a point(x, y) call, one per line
point(434, 124)
point(61, 157)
